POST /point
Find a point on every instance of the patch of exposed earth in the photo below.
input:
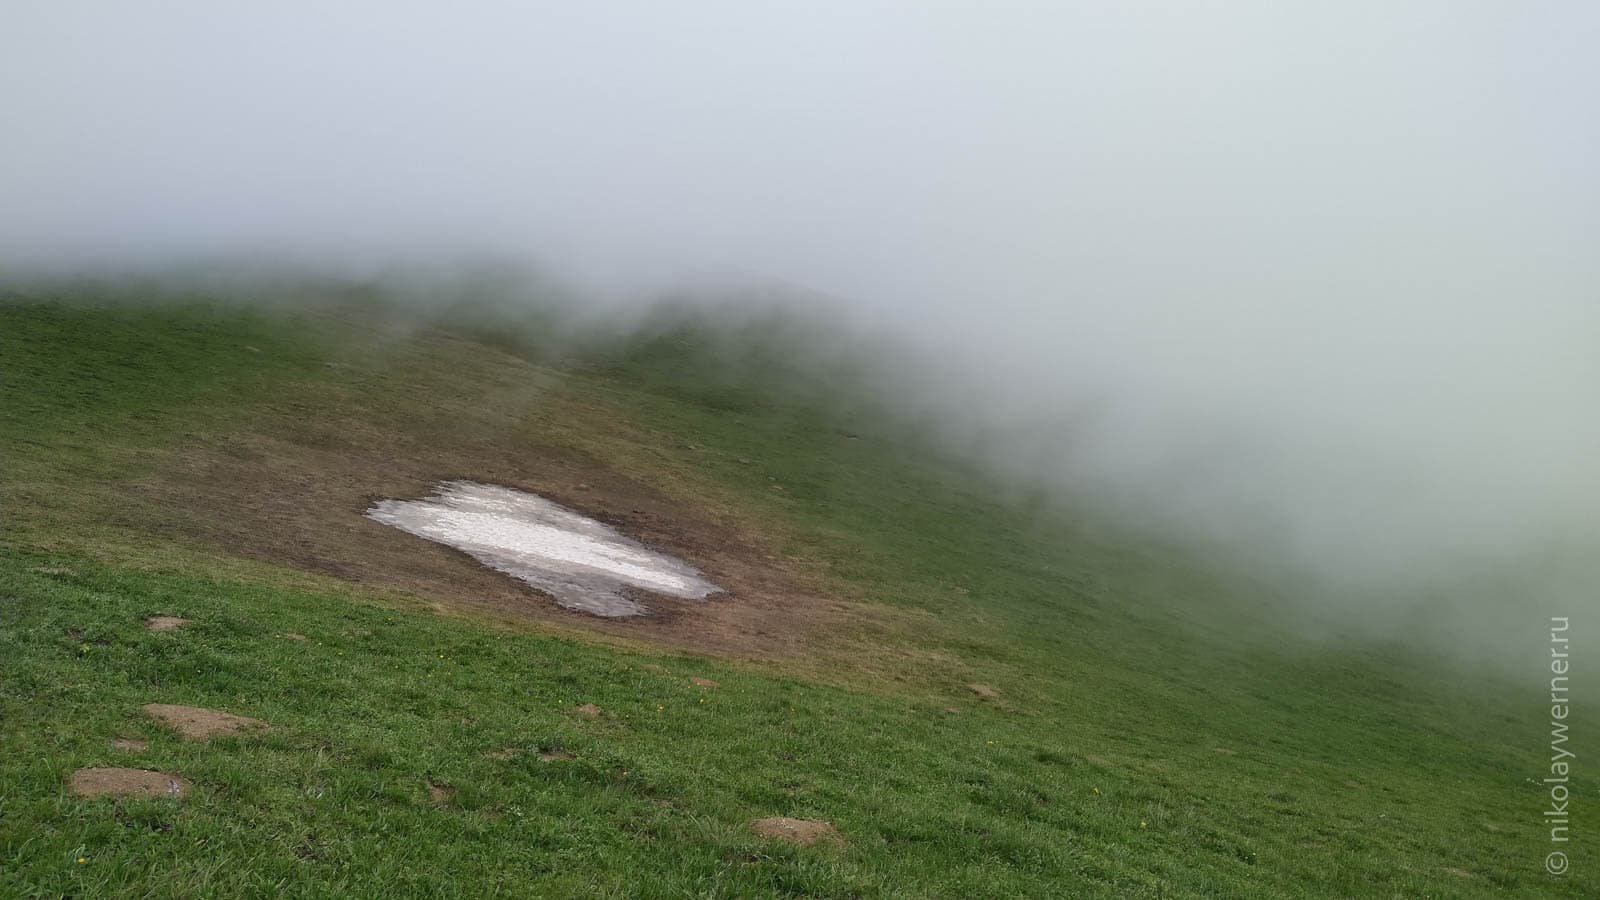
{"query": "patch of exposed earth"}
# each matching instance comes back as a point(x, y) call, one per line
point(200, 724)
point(298, 496)
point(119, 782)
point(803, 832)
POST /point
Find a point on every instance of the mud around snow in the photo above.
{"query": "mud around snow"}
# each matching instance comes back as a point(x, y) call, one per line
point(299, 496)
point(200, 724)
point(803, 832)
point(126, 783)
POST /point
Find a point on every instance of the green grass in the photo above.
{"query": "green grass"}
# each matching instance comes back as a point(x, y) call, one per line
point(1355, 770)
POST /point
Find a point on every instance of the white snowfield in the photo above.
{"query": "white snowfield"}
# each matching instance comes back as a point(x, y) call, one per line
point(584, 564)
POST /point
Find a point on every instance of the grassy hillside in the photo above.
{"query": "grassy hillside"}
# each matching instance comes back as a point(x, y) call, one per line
point(1136, 729)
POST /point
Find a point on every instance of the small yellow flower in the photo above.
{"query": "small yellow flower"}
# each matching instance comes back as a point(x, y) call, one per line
point(83, 859)
point(1143, 824)
point(1097, 790)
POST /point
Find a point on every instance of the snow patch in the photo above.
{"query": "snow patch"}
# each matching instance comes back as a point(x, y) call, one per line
point(584, 564)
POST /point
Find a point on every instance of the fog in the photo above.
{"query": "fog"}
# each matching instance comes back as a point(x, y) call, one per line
point(1316, 284)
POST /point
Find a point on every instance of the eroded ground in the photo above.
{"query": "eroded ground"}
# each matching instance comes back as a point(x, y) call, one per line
point(298, 495)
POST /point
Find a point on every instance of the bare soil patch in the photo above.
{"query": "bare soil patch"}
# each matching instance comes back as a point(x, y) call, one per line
point(126, 782)
point(704, 683)
point(199, 724)
point(165, 623)
point(290, 635)
point(296, 493)
point(440, 793)
point(132, 745)
point(803, 832)
point(588, 711)
point(984, 691)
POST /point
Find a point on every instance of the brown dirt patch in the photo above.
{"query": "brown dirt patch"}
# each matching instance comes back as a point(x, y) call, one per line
point(125, 783)
point(440, 793)
point(588, 711)
point(704, 683)
point(555, 756)
point(132, 745)
point(803, 832)
point(293, 492)
point(984, 691)
point(165, 623)
point(199, 724)
point(290, 635)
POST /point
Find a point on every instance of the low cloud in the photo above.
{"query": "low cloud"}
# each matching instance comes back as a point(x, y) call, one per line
point(1316, 285)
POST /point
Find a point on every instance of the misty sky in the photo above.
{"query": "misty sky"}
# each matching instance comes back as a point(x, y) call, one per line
point(1319, 275)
